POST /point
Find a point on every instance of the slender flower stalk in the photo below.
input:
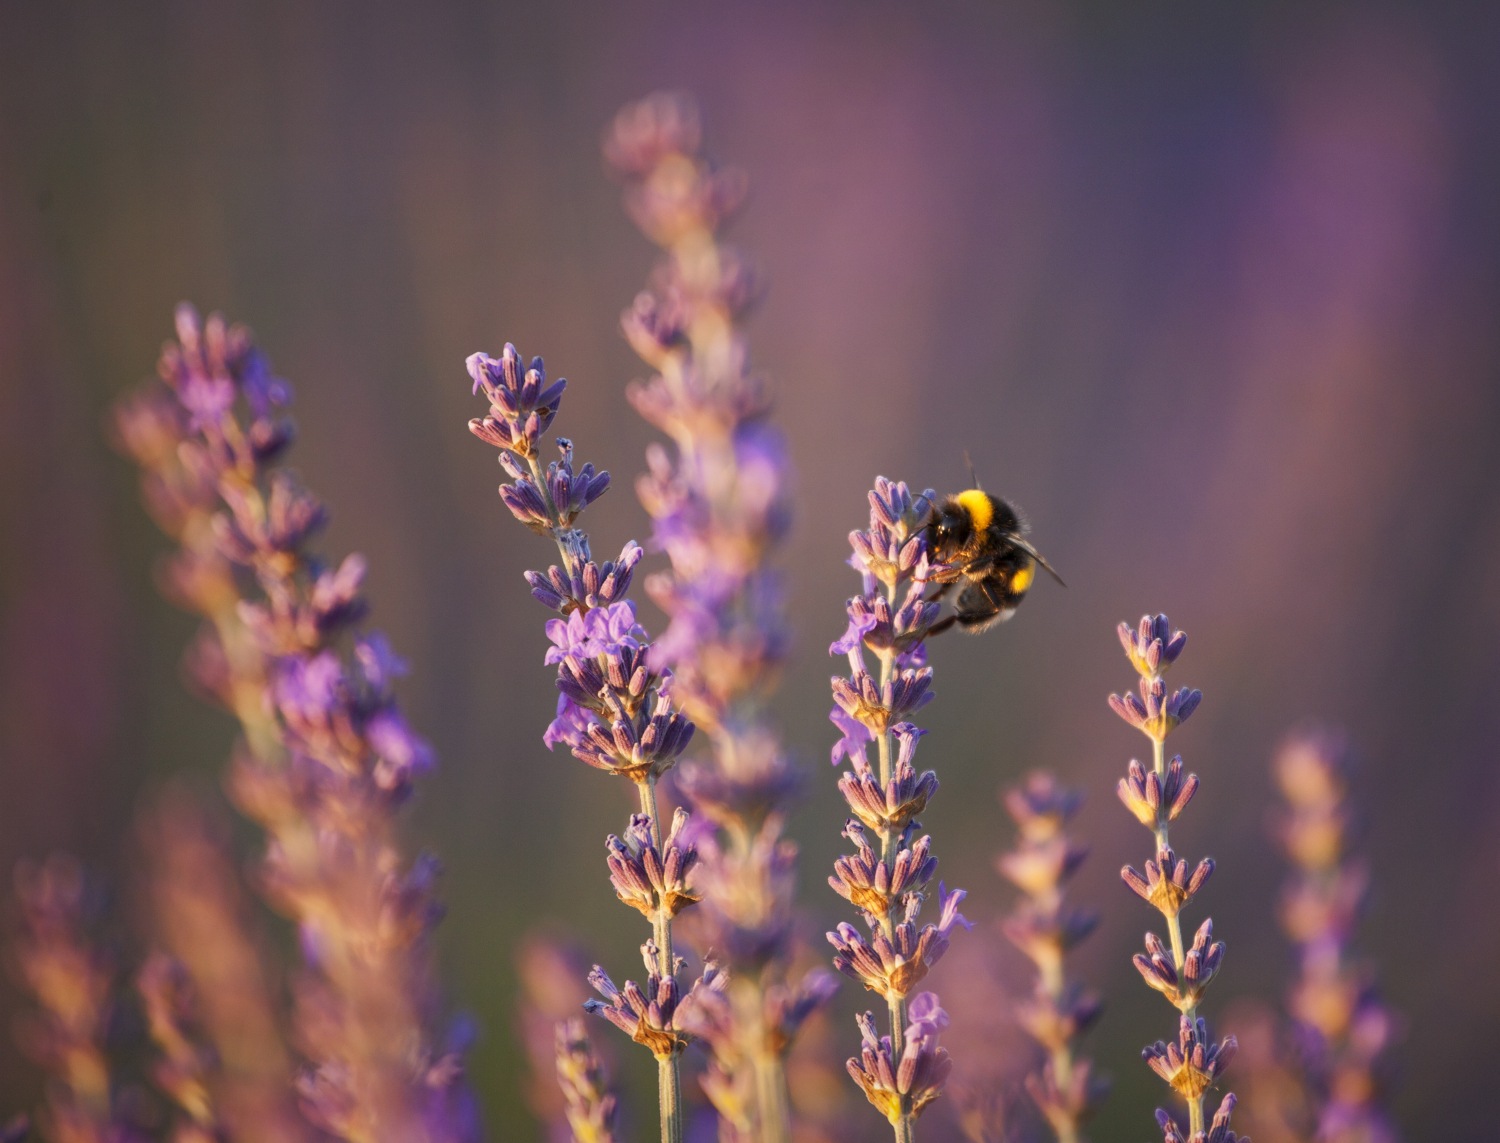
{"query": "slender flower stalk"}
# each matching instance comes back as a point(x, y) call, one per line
point(617, 709)
point(717, 497)
point(328, 758)
point(1343, 1032)
point(60, 962)
point(889, 875)
point(1044, 927)
point(1156, 797)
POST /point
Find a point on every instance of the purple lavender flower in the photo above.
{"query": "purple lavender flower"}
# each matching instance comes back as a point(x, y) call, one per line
point(617, 710)
point(1156, 798)
point(717, 498)
point(330, 757)
point(886, 879)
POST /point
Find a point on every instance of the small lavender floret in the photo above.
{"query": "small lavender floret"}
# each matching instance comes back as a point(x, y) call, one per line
point(871, 884)
point(648, 1016)
point(1193, 1062)
point(906, 795)
point(1146, 794)
point(589, 587)
point(1200, 964)
point(892, 966)
point(1152, 646)
point(878, 706)
point(1155, 712)
point(522, 404)
point(906, 1086)
point(1166, 883)
point(652, 880)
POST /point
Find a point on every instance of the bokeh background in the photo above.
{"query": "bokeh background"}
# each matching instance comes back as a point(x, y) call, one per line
point(1210, 290)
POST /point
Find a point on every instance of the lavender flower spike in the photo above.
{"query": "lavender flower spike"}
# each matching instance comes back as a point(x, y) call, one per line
point(887, 879)
point(1156, 797)
point(329, 758)
point(716, 491)
point(617, 707)
point(1062, 1084)
point(1344, 1031)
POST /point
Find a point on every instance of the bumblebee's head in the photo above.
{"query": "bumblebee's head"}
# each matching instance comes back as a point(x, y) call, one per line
point(954, 524)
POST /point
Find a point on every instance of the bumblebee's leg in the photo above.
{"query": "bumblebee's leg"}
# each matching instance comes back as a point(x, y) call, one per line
point(983, 602)
point(941, 625)
point(942, 591)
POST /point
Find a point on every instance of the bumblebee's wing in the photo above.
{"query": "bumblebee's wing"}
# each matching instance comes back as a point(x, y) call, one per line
point(1025, 546)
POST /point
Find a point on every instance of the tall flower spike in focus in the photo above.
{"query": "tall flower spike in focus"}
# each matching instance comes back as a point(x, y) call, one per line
point(328, 758)
point(1343, 1031)
point(717, 496)
point(1192, 1063)
point(1063, 1086)
point(617, 707)
point(889, 876)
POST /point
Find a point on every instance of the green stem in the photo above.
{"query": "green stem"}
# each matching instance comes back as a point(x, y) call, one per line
point(669, 1084)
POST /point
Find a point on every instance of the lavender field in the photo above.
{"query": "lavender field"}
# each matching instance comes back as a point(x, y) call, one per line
point(744, 770)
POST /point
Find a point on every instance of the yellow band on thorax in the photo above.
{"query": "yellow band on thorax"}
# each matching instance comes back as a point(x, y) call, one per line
point(979, 506)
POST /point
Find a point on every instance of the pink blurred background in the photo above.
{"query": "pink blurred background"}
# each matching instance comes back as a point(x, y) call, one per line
point(1210, 292)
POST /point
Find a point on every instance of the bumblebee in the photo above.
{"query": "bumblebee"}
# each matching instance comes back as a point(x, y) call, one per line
point(981, 539)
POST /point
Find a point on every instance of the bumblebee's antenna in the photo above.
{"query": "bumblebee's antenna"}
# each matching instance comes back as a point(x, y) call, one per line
point(973, 476)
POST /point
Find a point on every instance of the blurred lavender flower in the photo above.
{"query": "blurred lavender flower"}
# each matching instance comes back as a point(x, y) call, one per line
point(201, 915)
point(1064, 1086)
point(617, 708)
point(718, 500)
point(887, 884)
point(186, 1062)
point(1193, 1063)
point(330, 758)
point(62, 965)
point(1342, 1032)
point(589, 1104)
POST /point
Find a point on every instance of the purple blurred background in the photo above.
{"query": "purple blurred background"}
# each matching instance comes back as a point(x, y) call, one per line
point(1210, 292)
